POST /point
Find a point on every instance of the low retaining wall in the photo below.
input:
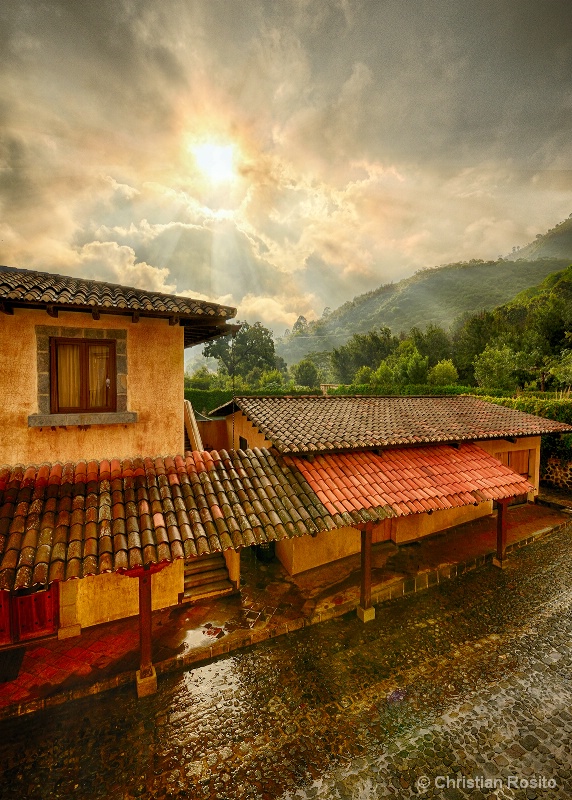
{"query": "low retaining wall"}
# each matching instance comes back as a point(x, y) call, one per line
point(558, 473)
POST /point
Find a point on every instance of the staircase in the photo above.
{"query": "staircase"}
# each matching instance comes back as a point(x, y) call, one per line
point(187, 442)
point(206, 576)
point(192, 434)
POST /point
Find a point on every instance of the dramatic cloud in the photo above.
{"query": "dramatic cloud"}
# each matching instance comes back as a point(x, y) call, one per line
point(363, 140)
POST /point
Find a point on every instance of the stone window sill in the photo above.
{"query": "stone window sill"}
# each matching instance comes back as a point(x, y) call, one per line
point(76, 420)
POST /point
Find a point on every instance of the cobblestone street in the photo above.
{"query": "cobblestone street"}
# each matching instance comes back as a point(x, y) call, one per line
point(461, 691)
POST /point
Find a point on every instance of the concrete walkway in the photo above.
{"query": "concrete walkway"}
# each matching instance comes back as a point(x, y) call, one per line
point(270, 603)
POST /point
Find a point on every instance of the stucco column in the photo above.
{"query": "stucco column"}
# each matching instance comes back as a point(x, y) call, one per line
point(146, 675)
point(534, 470)
point(68, 619)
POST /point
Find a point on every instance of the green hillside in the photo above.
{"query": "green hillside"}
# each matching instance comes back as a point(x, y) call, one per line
point(556, 243)
point(432, 296)
point(557, 285)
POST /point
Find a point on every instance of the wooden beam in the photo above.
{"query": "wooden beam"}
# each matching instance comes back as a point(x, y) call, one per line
point(365, 597)
point(52, 310)
point(95, 312)
point(6, 308)
point(174, 320)
point(135, 316)
point(366, 612)
point(145, 643)
point(501, 531)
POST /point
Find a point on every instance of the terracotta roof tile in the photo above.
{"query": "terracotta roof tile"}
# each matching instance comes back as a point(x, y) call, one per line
point(94, 517)
point(318, 424)
point(201, 319)
point(466, 476)
point(63, 521)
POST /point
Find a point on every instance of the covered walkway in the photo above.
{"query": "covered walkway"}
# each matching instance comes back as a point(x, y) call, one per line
point(270, 603)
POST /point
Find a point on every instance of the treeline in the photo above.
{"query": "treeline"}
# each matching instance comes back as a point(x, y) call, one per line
point(523, 344)
point(248, 362)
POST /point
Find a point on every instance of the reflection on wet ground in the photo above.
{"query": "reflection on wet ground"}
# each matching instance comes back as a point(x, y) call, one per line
point(470, 678)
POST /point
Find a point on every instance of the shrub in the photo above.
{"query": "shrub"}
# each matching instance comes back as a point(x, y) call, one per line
point(443, 373)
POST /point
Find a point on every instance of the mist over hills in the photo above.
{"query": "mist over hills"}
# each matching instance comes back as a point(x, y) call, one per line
point(555, 243)
point(437, 295)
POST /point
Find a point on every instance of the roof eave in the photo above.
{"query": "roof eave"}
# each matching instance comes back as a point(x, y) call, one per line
point(207, 326)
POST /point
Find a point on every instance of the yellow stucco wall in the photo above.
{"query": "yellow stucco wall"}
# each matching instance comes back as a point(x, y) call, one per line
point(214, 434)
point(103, 598)
point(307, 552)
point(415, 526)
point(530, 443)
point(155, 368)
point(244, 428)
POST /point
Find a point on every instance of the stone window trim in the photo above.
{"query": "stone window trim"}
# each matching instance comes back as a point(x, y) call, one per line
point(44, 417)
point(85, 419)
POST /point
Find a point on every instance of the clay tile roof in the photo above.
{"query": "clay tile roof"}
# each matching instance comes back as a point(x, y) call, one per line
point(202, 320)
point(311, 424)
point(59, 522)
point(466, 476)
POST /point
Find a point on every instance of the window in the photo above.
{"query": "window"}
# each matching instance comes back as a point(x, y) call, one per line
point(517, 460)
point(82, 375)
point(242, 443)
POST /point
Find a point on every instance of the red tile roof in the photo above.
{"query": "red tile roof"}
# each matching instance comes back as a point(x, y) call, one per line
point(314, 424)
point(29, 288)
point(60, 521)
point(409, 480)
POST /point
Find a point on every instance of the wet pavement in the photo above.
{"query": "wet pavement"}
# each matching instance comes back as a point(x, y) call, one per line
point(463, 690)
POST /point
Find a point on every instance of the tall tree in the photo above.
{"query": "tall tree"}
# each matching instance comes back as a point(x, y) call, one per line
point(433, 342)
point(253, 348)
point(496, 367)
point(306, 374)
point(363, 350)
point(473, 334)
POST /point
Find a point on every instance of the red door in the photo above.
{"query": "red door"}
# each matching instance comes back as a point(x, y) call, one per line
point(5, 626)
point(28, 616)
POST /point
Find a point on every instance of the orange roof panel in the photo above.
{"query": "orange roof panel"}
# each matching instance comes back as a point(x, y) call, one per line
point(410, 480)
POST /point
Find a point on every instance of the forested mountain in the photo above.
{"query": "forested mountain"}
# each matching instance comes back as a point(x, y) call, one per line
point(435, 296)
point(431, 297)
point(525, 343)
point(449, 328)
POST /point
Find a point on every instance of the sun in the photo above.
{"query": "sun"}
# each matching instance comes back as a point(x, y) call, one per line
point(215, 161)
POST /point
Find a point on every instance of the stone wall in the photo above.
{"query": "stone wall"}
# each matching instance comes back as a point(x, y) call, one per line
point(557, 473)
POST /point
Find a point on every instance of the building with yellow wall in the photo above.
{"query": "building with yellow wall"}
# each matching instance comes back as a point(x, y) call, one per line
point(303, 427)
point(90, 373)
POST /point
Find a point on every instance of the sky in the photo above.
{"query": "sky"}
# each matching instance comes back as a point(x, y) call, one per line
point(280, 156)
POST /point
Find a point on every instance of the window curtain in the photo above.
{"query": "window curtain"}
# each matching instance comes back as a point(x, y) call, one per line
point(68, 376)
point(99, 382)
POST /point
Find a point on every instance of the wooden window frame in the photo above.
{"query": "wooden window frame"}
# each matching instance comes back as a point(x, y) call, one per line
point(84, 375)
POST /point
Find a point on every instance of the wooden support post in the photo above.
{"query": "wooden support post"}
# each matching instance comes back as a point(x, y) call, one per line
point(366, 611)
point(500, 560)
point(146, 675)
